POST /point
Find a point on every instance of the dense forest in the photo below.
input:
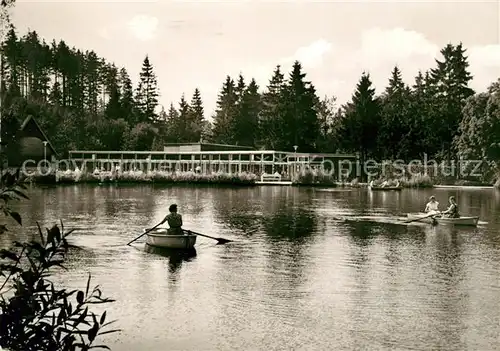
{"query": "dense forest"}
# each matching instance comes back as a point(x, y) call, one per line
point(84, 102)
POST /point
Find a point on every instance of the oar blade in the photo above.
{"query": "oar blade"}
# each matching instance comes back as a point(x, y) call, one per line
point(221, 241)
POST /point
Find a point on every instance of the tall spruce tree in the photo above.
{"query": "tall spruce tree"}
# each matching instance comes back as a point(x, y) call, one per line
point(272, 111)
point(183, 124)
point(173, 125)
point(225, 113)
point(246, 124)
point(450, 79)
point(362, 119)
point(327, 140)
point(396, 119)
point(113, 108)
point(147, 92)
point(196, 116)
point(300, 120)
point(127, 102)
point(240, 89)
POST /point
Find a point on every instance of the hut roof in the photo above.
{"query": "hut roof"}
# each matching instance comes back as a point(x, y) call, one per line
point(31, 121)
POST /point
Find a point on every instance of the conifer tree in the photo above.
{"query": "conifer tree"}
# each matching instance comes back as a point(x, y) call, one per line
point(396, 118)
point(246, 124)
point(450, 80)
point(183, 121)
point(147, 92)
point(272, 111)
point(300, 121)
point(362, 119)
point(226, 113)
point(196, 117)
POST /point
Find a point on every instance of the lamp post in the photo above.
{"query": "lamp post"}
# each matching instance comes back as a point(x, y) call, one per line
point(295, 147)
point(45, 153)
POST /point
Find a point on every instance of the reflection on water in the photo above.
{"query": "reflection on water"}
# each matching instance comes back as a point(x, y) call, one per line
point(175, 257)
point(295, 276)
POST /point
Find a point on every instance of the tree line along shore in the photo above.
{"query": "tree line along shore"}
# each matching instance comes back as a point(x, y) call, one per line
point(84, 102)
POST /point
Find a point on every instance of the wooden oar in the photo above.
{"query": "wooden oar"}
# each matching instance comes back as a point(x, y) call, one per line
point(147, 231)
point(220, 240)
point(420, 218)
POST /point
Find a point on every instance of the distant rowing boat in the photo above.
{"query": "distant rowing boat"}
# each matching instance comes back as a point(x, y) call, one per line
point(466, 221)
point(386, 188)
point(160, 238)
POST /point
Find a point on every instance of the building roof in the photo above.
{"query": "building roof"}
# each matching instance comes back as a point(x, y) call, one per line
point(241, 147)
point(31, 119)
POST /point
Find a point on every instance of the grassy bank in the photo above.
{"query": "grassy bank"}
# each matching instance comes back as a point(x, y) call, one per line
point(314, 178)
point(305, 178)
point(158, 177)
point(318, 178)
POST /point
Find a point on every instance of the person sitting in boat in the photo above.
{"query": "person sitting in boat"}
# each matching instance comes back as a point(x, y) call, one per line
point(452, 211)
point(384, 183)
point(432, 206)
point(174, 221)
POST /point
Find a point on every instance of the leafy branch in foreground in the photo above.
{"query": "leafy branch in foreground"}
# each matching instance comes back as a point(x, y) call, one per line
point(11, 189)
point(36, 315)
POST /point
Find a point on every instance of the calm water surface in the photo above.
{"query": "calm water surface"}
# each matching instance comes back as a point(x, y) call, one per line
point(298, 276)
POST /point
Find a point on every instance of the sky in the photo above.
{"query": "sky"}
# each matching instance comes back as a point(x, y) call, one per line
point(198, 43)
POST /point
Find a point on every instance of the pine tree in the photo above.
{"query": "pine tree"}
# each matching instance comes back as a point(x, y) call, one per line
point(225, 113)
point(327, 140)
point(240, 88)
point(300, 122)
point(183, 125)
point(173, 127)
point(395, 124)
point(361, 119)
point(147, 92)
point(92, 72)
point(127, 102)
point(246, 124)
point(113, 108)
point(162, 126)
point(272, 111)
point(196, 116)
point(450, 79)
point(11, 58)
point(423, 112)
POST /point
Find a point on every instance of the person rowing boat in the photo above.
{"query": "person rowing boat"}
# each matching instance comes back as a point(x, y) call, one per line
point(174, 221)
point(432, 206)
point(452, 211)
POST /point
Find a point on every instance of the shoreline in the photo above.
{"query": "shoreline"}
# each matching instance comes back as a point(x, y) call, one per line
point(237, 183)
point(243, 179)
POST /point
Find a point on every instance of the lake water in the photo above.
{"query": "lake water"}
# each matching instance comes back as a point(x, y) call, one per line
point(298, 275)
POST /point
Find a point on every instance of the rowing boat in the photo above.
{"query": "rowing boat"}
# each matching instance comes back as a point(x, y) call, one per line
point(160, 238)
point(386, 188)
point(469, 221)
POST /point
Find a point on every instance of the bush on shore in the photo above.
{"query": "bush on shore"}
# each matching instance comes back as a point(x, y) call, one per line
point(35, 314)
point(243, 178)
point(314, 177)
point(417, 181)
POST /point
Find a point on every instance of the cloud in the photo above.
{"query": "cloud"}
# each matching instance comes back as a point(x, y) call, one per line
point(377, 52)
point(487, 56)
point(312, 55)
point(380, 50)
point(104, 33)
point(395, 44)
point(143, 27)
